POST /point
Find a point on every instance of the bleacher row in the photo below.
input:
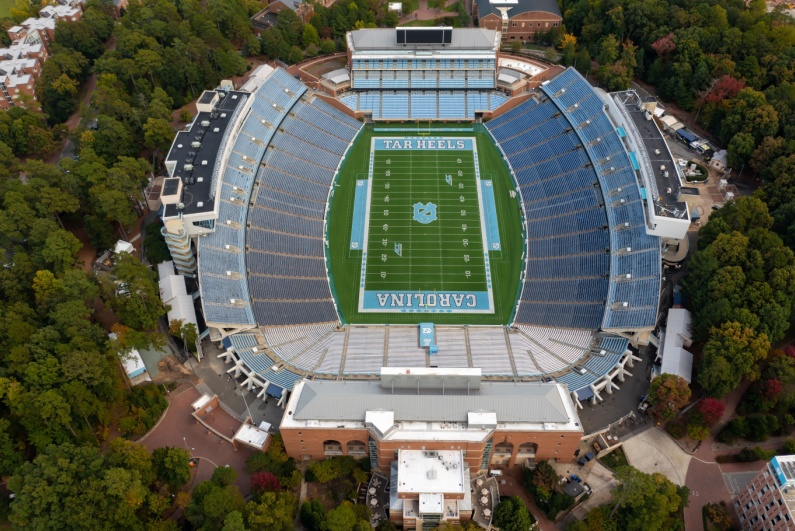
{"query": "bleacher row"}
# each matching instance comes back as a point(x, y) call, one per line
point(605, 357)
point(320, 349)
point(286, 266)
point(566, 268)
point(423, 79)
point(428, 105)
point(222, 271)
point(631, 303)
point(246, 349)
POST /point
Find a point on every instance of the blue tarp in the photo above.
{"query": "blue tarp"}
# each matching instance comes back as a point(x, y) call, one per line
point(274, 390)
point(686, 135)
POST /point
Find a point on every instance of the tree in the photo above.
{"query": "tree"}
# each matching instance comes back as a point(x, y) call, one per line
point(697, 431)
point(327, 46)
point(265, 481)
point(711, 410)
point(741, 146)
point(73, 487)
point(10, 456)
point(646, 501)
point(731, 353)
point(211, 504)
point(275, 511)
point(667, 394)
point(140, 307)
point(224, 476)
point(234, 522)
point(172, 466)
point(512, 515)
point(341, 518)
point(719, 515)
point(309, 35)
point(60, 250)
point(313, 516)
point(544, 480)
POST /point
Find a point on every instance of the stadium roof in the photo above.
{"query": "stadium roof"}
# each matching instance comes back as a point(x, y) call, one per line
point(487, 7)
point(386, 39)
point(350, 401)
point(197, 181)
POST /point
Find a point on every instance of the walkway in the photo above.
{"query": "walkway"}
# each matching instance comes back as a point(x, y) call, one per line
point(179, 429)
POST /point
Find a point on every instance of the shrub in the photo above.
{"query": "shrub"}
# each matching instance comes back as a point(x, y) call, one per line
point(676, 429)
point(697, 431)
point(147, 404)
point(313, 516)
point(749, 455)
point(759, 427)
point(719, 515)
point(264, 482)
point(789, 446)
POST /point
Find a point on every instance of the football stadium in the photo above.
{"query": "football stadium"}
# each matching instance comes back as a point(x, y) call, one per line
point(434, 204)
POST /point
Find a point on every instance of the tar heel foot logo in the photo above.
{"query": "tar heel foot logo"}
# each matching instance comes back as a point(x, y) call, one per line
point(424, 213)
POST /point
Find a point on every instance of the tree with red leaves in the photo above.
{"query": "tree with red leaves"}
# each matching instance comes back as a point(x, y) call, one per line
point(711, 410)
point(772, 388)
point(790, 351)
point(664, 46)
point(265, 482)
point(725, 87)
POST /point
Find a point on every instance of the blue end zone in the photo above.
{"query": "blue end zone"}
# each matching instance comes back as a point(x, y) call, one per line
point(490, 212)
point(432, 143)
point(634, 160)
point(426, 301)
point(359, 208)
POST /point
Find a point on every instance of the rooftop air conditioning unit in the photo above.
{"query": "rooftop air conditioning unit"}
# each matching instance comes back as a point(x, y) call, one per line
point(188, 167)
point(205, 123)
point(199, 179)
point(195, 144)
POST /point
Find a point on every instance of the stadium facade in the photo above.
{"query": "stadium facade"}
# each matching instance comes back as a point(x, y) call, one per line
point(246, 207)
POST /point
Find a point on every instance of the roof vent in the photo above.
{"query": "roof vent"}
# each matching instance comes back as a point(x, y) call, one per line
point(233, 301)
point(228, 221)
point(200, 204)
point(216, 129)
point(229, 273)
point(205, 123)
point(204, 163)
point(179, 146)
point(199, 179)
point(188, 167)
point(196, 144)
point(240, 167)
point(234, 96)
point(227, 246)
point(628, 276)
point(223, 115)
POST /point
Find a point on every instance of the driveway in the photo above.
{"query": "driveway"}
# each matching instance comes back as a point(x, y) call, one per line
point(654, 451)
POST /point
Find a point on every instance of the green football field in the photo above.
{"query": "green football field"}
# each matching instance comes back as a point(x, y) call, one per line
point(444, 254)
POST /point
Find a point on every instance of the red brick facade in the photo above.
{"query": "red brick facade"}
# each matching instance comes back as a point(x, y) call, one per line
point(509, 448)
point(522, 27)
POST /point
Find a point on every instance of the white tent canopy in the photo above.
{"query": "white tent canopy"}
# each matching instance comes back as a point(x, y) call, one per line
point(123, 247)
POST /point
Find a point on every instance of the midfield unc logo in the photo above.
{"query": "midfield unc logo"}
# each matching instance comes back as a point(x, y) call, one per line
point(425, 213)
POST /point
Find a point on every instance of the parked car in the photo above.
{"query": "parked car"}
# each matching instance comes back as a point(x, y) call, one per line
point(575, 477)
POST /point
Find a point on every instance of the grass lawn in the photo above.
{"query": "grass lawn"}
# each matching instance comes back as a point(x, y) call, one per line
point(445, 254)
point(452, 7)
point(615, 459)
point(5, 6)
point(419, 23)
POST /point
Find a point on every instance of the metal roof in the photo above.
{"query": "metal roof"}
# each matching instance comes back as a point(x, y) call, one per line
point(350, 401)
point(386, 39)
point(675, 359)
point(487, 7)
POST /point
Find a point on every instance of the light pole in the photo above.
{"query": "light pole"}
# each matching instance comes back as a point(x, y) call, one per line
point(190, 450)
point(243, 395)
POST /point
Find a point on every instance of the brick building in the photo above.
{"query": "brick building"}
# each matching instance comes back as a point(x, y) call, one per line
point(518, 20)
point(767, 502)
point(21, 63)
point(493, 424)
